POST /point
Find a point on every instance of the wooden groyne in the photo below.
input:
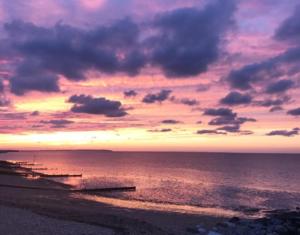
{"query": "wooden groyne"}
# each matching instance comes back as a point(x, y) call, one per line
point(17, 169)
point(37, 174)
point(28, 164)
point(59, 175)
point(101, 190)
point(89, 191)
point(38, 169)
point(29, 171)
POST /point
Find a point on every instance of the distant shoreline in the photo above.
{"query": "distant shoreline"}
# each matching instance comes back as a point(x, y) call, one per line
point(9, 151)
point(120, 151)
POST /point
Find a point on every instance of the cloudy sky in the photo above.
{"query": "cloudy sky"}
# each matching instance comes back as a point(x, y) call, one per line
point(190, 75)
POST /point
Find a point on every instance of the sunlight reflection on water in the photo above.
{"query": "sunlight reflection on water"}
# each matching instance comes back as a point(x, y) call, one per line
point(223, 182)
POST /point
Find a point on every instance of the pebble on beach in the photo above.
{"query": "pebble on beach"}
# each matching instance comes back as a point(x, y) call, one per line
point(278, 222)
point(30, 223)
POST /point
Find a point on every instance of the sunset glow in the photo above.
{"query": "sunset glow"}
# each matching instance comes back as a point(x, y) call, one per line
point(167, 76)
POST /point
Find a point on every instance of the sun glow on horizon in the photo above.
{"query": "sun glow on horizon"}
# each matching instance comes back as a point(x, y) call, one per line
point(142, 140)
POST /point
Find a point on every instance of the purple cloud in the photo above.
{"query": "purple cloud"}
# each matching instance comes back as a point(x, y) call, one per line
point(58, 123)
point(170, 121)
point(97, 106)
point(157, 97)
point(280, 86)
point(294, 112)
point(211, 132)
point(286, 133)
point(220, 112)
point(189, 38)
point(130, 93)
point(161, 130)
point(236, 98)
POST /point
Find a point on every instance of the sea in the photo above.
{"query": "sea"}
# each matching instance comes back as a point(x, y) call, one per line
point(184, 182)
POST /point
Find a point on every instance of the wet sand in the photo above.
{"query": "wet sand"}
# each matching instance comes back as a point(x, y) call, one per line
point(67, 206)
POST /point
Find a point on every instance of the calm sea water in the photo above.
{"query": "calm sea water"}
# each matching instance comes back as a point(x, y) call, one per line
point(181, 181)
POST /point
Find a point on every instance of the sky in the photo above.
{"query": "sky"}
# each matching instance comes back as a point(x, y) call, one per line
point(161, 75)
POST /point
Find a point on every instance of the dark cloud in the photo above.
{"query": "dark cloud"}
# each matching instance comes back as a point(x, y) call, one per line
point(273, 102)
point(286, 133)
point(20, 84)
point(65, 50)
point(80, 99)
point(161, 130)
point(133, 63)
point(189, 102)
point(224, 112)
point(130, 93)
point(280, 86)
point(202, 87)
point(230, 120)
point(35, 113)
point(264, 72)
point(186, 41)
point(290, 28)
point(157, 97)
point(236, 98)
point(214, 132)
point(235, 128)
point(225, 116)
point(185, 101)
point(189, 38)
point(230, 128)
point(275, 109)
point(170, 121)
point(244, 77)
point(58, 123)
point(1, 86)
point(242, 120)
point(99, 106)
point(29, 77)
point(226, 120)
point(70, 51)
point(294, 112)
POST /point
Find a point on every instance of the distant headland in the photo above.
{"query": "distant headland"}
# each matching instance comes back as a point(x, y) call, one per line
point(8, 151)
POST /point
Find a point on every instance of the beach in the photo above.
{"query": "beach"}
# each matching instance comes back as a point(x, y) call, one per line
point(61, 206)
point(17, 221)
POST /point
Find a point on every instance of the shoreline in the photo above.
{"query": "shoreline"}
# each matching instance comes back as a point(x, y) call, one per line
point(149, 151)
point(70, 206)
point(63, 205)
